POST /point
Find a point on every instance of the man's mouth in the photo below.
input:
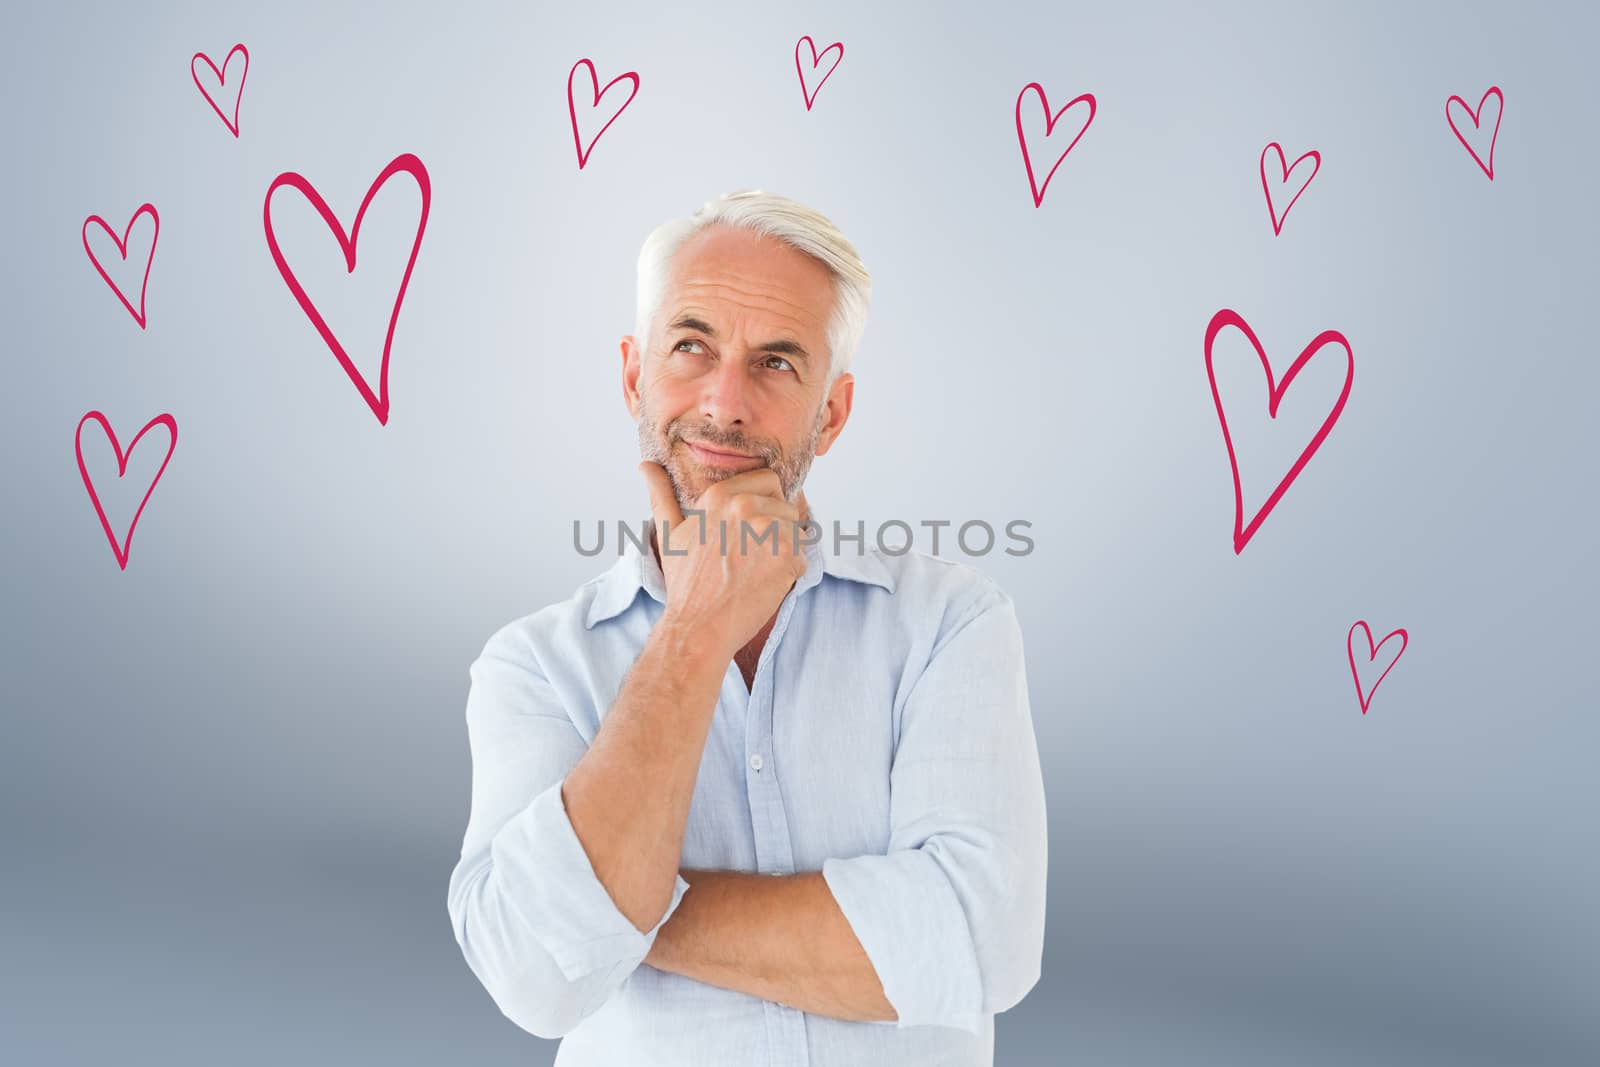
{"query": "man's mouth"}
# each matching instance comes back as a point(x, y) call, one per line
point(716, 457)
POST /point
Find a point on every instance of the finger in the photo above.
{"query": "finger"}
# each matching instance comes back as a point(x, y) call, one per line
point(764, 523)
point(763, 507)
point(663, 501)
point(762, 480)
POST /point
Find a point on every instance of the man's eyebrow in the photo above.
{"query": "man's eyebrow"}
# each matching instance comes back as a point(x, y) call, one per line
point(787, 348)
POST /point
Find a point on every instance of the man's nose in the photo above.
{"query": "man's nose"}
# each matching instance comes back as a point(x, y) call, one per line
point(726, 397)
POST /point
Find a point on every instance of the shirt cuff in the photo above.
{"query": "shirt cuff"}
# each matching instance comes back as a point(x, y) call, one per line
point(911, 924)
point(547, 873)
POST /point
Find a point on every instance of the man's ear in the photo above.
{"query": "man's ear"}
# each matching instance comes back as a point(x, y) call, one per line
point(841, 395)
point(631, 365)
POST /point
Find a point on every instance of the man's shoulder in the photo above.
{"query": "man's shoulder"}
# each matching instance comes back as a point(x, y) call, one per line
point(560, 624)
point(939, 587)
point(951, 603)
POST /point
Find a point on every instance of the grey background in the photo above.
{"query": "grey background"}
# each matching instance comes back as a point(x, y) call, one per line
point(234, 777)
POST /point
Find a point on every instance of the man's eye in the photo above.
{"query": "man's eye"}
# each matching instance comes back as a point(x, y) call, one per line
point(685, 341)
point(780, 359)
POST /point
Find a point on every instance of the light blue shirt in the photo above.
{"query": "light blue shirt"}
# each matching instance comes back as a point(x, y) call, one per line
point(886, 741)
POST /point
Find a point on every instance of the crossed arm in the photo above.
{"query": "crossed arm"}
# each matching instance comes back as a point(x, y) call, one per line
point(952, 912)
point(778, 937)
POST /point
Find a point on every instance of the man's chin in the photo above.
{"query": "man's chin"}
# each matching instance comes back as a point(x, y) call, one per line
point(687, 490)
point(691, 485)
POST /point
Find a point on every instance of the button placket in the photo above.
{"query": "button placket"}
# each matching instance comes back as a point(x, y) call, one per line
point(774, 847)
point(774, 853)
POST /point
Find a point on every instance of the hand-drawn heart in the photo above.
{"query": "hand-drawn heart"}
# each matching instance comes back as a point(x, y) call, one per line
point(122, 253)
point(1283, 181)
point(816, 61)
point(1050, 125)
point(121, 550)
point(572, 106)
point(1477, 125)
point(1372, 655)
point(411, 165)
point(221, 77)
point(1275, 390)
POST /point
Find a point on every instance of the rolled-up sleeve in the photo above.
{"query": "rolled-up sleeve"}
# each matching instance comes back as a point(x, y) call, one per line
point(535, 923)
point(952, 916)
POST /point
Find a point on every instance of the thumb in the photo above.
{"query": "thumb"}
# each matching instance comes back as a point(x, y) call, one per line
point(663, 501)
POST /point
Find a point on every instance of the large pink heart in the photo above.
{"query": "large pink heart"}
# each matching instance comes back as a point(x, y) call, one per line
point(1371, 657)
point(120, 549)
point(594, 104)
point(122, 253)
point(815, 62)
point(1275, 390)
point(221, 77)
point(406, 163)
point(1050, 120)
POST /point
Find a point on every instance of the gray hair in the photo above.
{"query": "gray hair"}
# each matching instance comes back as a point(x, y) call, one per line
point(795, 225)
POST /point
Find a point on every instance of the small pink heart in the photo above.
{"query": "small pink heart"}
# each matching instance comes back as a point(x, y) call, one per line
point(1371, 655)
point(122, 253)
point(221, 78)
point(1049, 131)
point(1275, 390)
point(1477, 118)
point(810, 93)
point(1282, 180)
point(121, 549)
point(594, 104)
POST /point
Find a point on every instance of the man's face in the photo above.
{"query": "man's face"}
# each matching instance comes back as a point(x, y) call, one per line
point(736, 361)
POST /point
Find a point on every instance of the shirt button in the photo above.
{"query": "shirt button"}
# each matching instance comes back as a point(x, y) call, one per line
point(755, 761)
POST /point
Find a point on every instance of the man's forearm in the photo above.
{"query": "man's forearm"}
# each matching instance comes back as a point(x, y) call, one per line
point(781, 938)
point(628, 797)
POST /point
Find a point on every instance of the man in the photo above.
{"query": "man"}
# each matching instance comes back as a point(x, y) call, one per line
point(786, 807)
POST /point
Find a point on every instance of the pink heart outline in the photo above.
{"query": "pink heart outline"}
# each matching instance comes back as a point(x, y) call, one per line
point(122, 250)
point(1350, 648)
point(121, 550)
point(572, 108)
point(1316, 165)
point(222, 82)
point(1050, 125)
point(816, 61)
point(1275, 391)
point(411, 165)
point(1494, 91)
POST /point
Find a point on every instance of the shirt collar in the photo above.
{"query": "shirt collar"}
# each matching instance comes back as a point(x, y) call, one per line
point(638, 569)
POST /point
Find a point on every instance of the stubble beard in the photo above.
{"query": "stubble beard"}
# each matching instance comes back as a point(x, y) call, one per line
point(656, 444)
